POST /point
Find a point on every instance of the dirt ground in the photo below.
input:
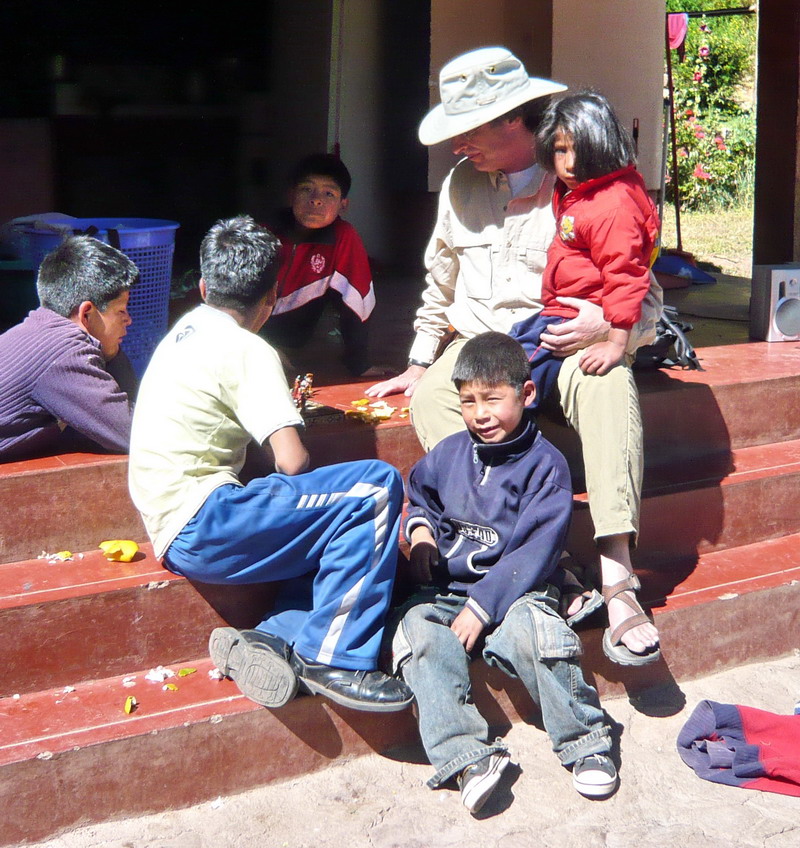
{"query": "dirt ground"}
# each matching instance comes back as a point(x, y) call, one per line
point(382, 802)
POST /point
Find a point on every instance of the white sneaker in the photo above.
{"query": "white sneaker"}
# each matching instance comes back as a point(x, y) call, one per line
point(478, 780)
point(594, 776)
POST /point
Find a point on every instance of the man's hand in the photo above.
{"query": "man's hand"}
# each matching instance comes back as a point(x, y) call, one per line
point(586, 328)
point(600, 358)
point(467, 626)
point(422, 559)
point(405, 382)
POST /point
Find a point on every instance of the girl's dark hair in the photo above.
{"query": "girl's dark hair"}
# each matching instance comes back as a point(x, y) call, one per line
point(600, 142)
point(492, 359)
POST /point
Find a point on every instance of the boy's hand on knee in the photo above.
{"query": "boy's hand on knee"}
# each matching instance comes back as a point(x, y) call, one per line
point(422, 559)
point(468, 627)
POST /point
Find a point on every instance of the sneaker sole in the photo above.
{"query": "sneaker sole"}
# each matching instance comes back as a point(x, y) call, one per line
point(220, 646)
point(259, 672)
point(312, 688)
point(480, 790)
point(595, 790)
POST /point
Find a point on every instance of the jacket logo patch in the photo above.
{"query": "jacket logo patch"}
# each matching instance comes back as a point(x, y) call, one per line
point(566, 228)
point(476, 533)
point(317, 263)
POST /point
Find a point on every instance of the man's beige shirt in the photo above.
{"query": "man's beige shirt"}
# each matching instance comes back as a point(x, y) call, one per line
point(486, 258)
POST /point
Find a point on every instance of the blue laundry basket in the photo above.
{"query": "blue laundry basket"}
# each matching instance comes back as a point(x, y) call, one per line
point(150, 244)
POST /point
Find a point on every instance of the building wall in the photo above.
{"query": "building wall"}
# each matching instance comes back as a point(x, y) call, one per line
point(457, 26)
point(617, 47)
point(358, 102)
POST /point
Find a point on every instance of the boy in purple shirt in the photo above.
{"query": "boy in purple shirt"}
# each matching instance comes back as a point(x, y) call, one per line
point(64, 383)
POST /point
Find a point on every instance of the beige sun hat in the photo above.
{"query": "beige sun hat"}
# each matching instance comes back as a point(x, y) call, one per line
point(478, 87)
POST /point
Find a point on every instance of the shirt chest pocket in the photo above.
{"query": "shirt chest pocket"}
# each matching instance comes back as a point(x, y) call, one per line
point(527, 269)
point(478, 263)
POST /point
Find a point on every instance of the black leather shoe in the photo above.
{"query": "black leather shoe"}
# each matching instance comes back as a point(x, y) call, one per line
point(257, 662)
point(370, 691)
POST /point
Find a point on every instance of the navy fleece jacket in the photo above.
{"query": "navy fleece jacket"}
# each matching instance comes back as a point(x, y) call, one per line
point(499, 515)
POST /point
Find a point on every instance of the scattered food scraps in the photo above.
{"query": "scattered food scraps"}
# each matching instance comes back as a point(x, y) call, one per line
point(127, 682)
point(217, 804)
point(364, 410)
point(215, 674)
point(185, 672)
point(60, 556)
point(119, 550)
point(170, 687)
point(159, 674)
point(130, 704)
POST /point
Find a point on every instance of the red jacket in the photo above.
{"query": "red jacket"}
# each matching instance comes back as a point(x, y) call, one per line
point(606, 236)
point(312, 261)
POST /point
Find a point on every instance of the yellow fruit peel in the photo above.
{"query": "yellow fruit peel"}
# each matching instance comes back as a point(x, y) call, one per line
point(130, 704)
point(119, 550)
point(185, 672)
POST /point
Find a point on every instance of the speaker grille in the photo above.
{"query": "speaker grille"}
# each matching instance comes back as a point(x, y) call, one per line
point(787, 317)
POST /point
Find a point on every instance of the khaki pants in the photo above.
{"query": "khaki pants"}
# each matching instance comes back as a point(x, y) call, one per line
point(604, 412)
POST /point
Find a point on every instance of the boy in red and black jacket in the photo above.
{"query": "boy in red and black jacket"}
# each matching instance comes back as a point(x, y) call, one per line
point(322, 259)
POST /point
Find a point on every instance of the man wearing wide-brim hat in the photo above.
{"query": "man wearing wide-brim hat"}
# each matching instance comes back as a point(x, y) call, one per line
point(485, 261)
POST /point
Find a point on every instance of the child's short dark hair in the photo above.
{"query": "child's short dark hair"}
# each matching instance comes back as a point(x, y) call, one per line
point(83, 268)
point(322, 165)
point(492, 359)
point(601, 144)
point(238, 263)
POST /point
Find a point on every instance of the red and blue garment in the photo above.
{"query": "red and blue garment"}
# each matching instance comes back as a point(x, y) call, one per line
point(313, 261)
point(743, 746)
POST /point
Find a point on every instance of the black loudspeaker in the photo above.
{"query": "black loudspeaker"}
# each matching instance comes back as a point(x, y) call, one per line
point(775, 303)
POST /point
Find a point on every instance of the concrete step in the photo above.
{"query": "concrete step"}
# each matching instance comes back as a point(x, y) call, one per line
point(77, 500)
point(72, 755)
point(86, 618)
point(89, 617)
point(691, 508)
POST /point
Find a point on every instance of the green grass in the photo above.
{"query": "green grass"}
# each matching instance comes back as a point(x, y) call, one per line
point(721, 238)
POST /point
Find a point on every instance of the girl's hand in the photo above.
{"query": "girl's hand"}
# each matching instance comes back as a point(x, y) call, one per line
point(600, 358)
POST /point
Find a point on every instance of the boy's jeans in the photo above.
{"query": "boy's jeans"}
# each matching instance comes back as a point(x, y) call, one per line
point(532, 643)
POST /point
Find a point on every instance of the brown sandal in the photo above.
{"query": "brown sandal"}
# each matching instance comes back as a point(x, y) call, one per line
point(612, 641)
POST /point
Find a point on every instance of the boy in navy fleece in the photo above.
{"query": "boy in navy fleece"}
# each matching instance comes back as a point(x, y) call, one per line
point(489, 510)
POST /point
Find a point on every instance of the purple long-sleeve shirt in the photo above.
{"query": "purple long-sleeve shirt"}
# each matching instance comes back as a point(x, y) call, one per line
point(55, 382)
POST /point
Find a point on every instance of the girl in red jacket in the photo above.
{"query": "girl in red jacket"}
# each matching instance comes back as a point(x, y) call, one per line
point(606, 232)
point(606, 238)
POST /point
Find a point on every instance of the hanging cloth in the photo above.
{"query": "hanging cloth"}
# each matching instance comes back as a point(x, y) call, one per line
point(677, 25)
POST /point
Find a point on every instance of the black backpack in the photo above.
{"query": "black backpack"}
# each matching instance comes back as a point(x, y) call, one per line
point(671, 347)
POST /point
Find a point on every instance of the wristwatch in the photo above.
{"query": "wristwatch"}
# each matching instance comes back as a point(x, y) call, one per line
point(421, 364)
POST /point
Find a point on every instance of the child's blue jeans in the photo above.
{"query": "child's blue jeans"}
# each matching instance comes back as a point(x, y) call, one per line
point(331, 533)
point(532, 643)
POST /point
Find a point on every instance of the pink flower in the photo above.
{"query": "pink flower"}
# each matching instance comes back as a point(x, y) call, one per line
point(704, 51)
point(689, 113)
point(683, 152)
point(720, 142)
point(698, 76)
point(700, 174)
point(698, 133)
